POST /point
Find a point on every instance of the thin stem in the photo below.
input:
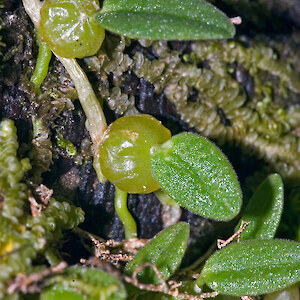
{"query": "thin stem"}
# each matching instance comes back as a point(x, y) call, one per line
point(32, 8)
point(124, 214)
point(165, 199)
point(42, 64)
point(96, 123)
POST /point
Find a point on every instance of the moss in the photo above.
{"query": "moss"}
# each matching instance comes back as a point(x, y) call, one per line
point(241, 94)
point(13, 191)
point(66, 145)
point(22, 235)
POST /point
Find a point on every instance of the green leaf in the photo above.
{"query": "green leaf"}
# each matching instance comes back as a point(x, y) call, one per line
point(165, 251)
point(197, 175)
point(264, 209)
point(252, 267)
point(165, 19)
point(58, 292)
point(84, 283)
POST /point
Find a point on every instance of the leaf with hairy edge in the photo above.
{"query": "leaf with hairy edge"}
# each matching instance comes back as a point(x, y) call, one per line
point(253, 267)
point(264, 209)
point(196, 174)
point(165, 251)
point(165, 19)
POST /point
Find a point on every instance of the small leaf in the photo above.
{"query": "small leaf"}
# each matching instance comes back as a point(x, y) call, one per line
point(81, 283)
point(264, 209)
point(165, 251)
point(165, 19)
point(197, 175)
point(252, 267)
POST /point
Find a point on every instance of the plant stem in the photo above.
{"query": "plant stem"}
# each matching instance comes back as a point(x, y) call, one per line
point(124, 214)
point(96, 123)
point(89, 102)
point(42, 64)
point(165, 199)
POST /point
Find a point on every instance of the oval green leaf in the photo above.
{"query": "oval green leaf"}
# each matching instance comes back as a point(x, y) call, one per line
point(165, 19)
point(165, 251)
point(264, 209)
point(196, 174)
point(79, 282)
point(253, 267)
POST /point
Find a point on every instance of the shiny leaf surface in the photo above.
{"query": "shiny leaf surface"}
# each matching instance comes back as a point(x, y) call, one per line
point(252, 267)
point(165, 19)
point(264, 209)
point(165, 251)
point(125, 152)
point(68, 27)
point(197, 175)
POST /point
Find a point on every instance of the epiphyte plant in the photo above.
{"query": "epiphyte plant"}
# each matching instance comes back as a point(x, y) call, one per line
point(256, 265)
point(138, 155)
point(251, 268)
point(169, 151)
point(67, 27)
point(75, 28)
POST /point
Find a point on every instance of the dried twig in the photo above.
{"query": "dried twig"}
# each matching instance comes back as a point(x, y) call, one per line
point(35, 207)
point(223, 243)
point(44, 194)
point(111, 250)
point(102, 264)
point(131, 246)
point(103, 252)
point(170, 288)
point(30, 283)
point(162, 287)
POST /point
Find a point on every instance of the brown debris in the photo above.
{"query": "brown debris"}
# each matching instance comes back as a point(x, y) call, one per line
point(35, 207)
point(44, 194)
point(131, 246)
point(223, 243)
point(169, 288)
point(102, 264)
point(31, 283)
point(103, 252)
